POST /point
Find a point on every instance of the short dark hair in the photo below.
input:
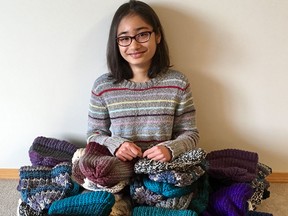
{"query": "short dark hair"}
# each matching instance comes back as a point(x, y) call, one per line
point(118, 67)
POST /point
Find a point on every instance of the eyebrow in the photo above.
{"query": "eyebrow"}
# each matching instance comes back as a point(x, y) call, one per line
point(137, 30)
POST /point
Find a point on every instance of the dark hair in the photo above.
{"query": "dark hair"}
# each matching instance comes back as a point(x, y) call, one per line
point(119, 68)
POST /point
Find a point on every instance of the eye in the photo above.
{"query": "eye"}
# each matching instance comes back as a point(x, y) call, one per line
point(123, 39)
point(143, 34)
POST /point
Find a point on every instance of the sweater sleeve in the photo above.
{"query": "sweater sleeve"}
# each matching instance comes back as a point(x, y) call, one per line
point(185, 133)
point(99, 123)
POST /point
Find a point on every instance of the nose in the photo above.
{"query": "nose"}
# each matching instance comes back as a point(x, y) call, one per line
point(134, 43)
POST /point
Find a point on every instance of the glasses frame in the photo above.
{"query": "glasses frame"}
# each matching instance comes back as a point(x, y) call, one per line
point(135, 38)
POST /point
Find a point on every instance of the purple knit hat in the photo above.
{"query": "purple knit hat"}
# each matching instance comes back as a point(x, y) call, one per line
point(230, 201)
point(50, 151)
point(100, 167)
point(232, 164)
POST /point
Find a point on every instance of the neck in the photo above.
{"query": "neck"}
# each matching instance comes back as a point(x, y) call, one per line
point(140, 76)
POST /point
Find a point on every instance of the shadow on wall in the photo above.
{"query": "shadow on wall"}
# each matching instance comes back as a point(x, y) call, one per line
point(194, 49)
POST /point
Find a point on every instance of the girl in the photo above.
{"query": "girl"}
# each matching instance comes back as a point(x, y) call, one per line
point(141, 108)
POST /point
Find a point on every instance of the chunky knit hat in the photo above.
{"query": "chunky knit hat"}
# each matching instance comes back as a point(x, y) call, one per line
point(232, 165)
point(49, 151)
point(184, 163)
point(25, 210)
point(92, 203)
point(180, 179)
point(100, 167)
point(39, 186)
point(166, 189)
point(154, 211)
point(143, 196)
point(230, 200)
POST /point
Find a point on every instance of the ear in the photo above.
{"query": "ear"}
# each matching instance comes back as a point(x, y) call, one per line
point(158, 38)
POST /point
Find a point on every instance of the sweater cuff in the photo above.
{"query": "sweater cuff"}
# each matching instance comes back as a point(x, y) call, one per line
point(112, 143)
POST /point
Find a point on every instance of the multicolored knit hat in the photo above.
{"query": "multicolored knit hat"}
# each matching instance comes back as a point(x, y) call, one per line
point(100, 167)
point(232, 165)
point(92, 203)
point(184, 163)
point(39, 186)
point(50, 152)
point(180, 179)
point(25, 210)
point(154, 211)
point(230, 200)
point(142, 196)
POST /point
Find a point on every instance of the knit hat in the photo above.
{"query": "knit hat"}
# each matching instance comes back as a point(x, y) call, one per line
point(166, 189)
point(200, 200)
point(91, 186)
point(142, 196)
point(180, 179)
point(39, 186)
point(184, 163)
point(230, 201)
point(49, 151)
point(100, 167)
point(154, 211)
point(92, 203)
point(232, 165)
point(25, 210)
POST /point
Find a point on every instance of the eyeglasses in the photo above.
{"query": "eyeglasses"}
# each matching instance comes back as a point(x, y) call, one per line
point(142, 37)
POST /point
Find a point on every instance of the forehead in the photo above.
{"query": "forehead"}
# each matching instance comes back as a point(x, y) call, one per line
point(132, 24)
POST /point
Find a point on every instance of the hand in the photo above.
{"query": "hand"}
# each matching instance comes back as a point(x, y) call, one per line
point(158, 153)
point(128, 151)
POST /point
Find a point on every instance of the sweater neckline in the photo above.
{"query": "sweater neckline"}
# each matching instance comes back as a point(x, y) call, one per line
point(143, 85)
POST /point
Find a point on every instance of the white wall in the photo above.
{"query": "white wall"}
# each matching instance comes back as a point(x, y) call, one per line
point(234, 53)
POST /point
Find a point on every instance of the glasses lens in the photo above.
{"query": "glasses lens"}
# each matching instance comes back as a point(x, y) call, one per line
point(142, 37)
point(124, 41)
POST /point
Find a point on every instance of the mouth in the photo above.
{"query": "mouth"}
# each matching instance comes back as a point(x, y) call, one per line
point(136, 54)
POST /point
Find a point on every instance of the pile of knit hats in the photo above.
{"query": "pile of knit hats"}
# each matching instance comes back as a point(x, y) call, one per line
point(47, 188)
point(237, 182)
point(65, 180)
point(170, 188)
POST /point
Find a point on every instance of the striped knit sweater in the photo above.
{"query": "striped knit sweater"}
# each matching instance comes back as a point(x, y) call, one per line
point(160, 111)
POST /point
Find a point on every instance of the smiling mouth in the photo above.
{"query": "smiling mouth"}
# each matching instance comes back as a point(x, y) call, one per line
point(136, 54)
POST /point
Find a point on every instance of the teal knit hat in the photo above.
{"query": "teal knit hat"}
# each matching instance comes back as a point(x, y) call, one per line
point(166, 189)
point(154, 211)
point(90, 203)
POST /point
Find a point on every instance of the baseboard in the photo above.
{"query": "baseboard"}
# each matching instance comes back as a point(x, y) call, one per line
point(273, 178)
point(9, 173)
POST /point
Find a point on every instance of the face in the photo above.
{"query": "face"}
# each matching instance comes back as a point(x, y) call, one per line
point(138, 55)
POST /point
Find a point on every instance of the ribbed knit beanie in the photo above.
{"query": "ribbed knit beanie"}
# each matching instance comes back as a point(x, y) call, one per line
point(166, 189)
point(100, 167)
point(50, 151)
point(184, 163)
point(232, 165)
point(92, 203)
point(39, 186)
point(154, 211)
point(230, 201)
